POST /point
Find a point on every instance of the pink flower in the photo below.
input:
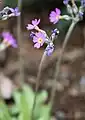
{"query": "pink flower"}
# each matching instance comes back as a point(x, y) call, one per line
point(54, 16)
point(33, 25)
point(14, 12)
point(39, 39)
point(8, 38)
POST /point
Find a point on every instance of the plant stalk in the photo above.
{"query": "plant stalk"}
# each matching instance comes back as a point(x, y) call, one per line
point(19, 37)
point(58, 63)
point(38, 83)
point(73, 2)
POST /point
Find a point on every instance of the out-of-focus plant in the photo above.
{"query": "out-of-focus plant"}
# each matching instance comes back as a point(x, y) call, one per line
point(40, 37)
point(8, 39)
point(8, 12)
point(22, 108)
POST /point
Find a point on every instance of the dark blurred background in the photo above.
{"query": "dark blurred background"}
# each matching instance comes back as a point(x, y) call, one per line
point(69, 96)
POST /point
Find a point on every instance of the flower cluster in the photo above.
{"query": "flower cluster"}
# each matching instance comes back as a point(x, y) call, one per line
point(75, 12)
point(40, 37)
point(55, 16)
point(9, 12)
point(8, 40)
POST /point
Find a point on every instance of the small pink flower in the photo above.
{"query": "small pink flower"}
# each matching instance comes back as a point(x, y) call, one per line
point(33, 25)
point(9, 39)
point(14, 12)
point(39, 39)
point(54, 16)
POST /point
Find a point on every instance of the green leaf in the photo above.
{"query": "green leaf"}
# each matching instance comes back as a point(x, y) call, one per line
point(29, 95)
point(25, 111)
point(41, 98)
point(45, 112)
point(20, 117)
point(14, 110)
point(13, 118)
point(4, 113)
point(10, 3)
point(17, 97)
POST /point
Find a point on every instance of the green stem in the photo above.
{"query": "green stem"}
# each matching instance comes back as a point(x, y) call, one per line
point(58, 63)
point(73, 2)
point(37, 84)
point(19, 37)
point(39, 75)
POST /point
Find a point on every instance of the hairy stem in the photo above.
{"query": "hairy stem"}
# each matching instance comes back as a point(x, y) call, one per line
point(84, 36)
point(19, 37)
point(38, 83)
point(57, 70)
point(73, 2)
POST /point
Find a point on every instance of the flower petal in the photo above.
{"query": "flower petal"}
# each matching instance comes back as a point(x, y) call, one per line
point(38, 21)
point(30, 27)
point(40, 35)
point(42, 43)
point(9, 38)
point(53, 13)
point(12, 10)
point(35, 39)
point(37, 45)
point(16, 9)
point(52, 18)
point(34, 22)
point(58, 12)
point(18, 14)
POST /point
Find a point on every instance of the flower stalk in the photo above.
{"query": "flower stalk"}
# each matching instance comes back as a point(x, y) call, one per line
point(58, 63)
point(73, 2)
point(38, 83)
point(19, 38)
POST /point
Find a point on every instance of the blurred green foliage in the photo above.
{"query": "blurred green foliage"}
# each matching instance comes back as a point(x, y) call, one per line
point(10, 3)
point(13, 3)
point(22, 108)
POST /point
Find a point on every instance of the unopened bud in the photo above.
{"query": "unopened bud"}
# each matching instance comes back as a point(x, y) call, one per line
point(69, 9)
point(75, 9)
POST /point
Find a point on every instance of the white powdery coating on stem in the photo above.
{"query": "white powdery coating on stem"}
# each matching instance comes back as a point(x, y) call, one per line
point(2, 46)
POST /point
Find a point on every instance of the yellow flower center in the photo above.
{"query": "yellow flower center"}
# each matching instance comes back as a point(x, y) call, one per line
point(40, 40)
point(57, 17)
point(60, 17)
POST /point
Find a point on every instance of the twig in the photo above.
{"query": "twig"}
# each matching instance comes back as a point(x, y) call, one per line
point(20, 44)
point(57, 70)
